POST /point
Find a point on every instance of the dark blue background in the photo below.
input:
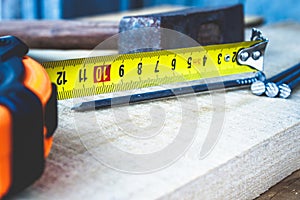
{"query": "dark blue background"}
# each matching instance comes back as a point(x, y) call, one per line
point(272, 11)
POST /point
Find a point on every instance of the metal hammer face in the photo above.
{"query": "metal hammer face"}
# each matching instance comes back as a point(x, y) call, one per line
point(205, 26)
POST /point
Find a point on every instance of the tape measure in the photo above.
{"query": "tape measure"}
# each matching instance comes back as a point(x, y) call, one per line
point(106, 74)
point(28, 101)
point(28, 112)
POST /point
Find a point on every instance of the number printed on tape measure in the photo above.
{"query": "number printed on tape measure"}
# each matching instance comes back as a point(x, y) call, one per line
point(61, 78)
point(104, 74)
point(82, 75)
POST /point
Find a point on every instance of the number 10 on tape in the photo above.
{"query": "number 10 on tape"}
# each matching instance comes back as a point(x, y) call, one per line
point(104, 74)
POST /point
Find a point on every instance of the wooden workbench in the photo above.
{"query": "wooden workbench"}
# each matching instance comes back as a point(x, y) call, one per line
point(259, 144)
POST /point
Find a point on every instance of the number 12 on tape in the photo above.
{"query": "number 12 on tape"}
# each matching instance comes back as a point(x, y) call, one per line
point(104, 74)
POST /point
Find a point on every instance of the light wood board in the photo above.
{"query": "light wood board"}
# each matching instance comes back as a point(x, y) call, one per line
point(259, 144)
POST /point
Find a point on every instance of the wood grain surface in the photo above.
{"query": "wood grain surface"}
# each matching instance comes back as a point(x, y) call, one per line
point(60, 34)
point(288, 188)
point(259, 144)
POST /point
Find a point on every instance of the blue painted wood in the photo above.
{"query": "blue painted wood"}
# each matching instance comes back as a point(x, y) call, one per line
point(124, 5)
point(11, 9)
point(272, 11)
point(29, 9)
point(50, 9)
point(77, 8)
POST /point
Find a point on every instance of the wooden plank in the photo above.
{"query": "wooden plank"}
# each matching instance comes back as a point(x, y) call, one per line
point(69, 34)
point(73, 34)
point(288, 188)
point(259, 144)
point(60, 34)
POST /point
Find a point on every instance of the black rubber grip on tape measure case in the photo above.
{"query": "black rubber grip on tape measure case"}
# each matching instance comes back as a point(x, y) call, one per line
point(28, 112)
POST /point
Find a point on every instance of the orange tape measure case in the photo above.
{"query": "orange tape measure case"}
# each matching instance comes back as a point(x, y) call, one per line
point(28, 116)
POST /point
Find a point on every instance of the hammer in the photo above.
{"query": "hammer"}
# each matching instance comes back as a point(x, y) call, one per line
point(206, 26)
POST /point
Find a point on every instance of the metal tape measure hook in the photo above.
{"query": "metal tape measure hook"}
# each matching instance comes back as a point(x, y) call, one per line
point(254, 55)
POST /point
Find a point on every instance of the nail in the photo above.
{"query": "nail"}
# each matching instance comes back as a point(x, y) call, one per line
point(259, 87)
point(272, 89)
point(130, 99)
point(285, 90)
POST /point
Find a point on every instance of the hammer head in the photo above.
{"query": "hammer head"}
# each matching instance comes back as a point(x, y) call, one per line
point(205, 26)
